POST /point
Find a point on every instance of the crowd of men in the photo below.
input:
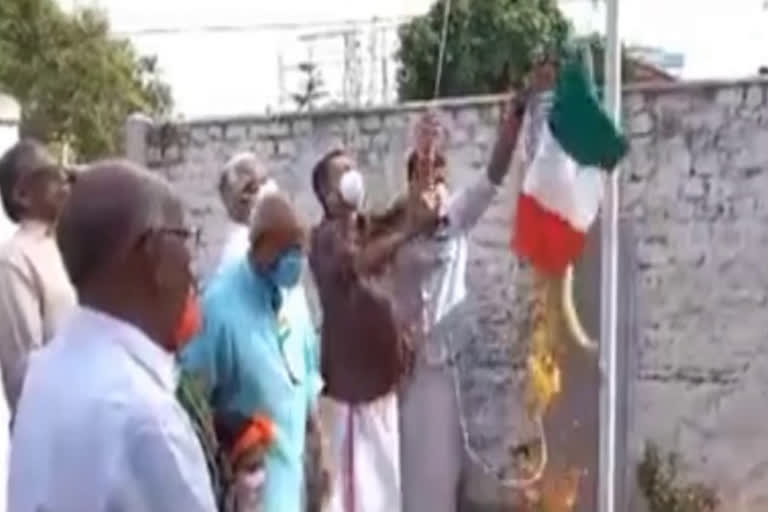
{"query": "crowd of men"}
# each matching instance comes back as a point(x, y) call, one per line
point(131, 387)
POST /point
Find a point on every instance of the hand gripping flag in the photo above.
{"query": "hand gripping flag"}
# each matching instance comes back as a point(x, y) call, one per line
point(563, 185)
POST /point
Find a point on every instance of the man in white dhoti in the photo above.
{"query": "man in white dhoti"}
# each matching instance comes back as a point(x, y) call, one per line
point(363, 351)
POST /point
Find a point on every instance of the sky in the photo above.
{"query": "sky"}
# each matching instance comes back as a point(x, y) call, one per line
point(236, 73)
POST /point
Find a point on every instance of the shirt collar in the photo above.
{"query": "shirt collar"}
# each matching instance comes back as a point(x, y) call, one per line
point(36, 227)
point(260, 281)
point(155, 360)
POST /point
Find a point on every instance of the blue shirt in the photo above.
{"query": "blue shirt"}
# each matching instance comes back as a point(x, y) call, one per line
point(258, 354)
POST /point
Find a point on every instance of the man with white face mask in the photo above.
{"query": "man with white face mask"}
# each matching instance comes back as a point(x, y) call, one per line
point(364, 352)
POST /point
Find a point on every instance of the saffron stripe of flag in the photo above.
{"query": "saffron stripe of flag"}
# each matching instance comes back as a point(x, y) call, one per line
point(563, 186)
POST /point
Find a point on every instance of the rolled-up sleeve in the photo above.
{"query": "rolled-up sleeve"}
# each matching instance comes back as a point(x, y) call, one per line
point(21, 325)
point(467, 206)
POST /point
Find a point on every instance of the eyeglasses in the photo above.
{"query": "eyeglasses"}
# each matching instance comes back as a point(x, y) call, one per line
point(190, 236)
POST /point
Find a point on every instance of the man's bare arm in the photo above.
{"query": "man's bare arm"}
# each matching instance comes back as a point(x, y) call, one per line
point(541, 79)
point(501, 157)
point(399, 228)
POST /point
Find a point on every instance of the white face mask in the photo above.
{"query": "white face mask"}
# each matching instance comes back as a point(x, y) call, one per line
point(352, 188)
point(267, 188)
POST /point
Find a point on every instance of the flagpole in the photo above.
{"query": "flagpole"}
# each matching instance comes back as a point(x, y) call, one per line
point(607, 492)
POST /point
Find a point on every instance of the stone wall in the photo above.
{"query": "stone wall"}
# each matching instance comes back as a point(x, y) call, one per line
point(695, 193)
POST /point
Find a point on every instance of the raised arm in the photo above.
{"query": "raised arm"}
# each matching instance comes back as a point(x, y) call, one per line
point(388, 233)
point(468, 205)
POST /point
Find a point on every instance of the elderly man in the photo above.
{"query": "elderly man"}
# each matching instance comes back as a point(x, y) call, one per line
point(243, 179)
point(364, 352)
point(35, 293)
point(98, 426)
point(429, 282)
point(257, 355)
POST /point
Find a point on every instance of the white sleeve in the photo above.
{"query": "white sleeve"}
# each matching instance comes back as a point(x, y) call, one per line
point(466, 207)
point(163, 470)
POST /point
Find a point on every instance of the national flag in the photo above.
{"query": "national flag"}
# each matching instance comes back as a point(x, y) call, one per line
point(563, 186)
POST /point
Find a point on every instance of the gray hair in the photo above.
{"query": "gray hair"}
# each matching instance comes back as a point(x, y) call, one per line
point(241, 163)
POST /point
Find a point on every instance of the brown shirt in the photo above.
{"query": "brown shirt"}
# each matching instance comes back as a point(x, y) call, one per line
point(35, 297)
point(363, 353)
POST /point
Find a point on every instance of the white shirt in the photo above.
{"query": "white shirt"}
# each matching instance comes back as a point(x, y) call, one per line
point(98, 427)
point(237, 244)
point(429, 275)
point(5, 449)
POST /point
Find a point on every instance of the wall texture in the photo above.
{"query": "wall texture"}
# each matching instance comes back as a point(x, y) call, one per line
point(695, 193)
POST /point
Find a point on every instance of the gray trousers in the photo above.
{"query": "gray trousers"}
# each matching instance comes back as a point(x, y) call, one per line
point(431, 447)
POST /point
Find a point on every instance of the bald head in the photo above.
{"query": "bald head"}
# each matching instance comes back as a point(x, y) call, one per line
point(113, 204)
point(275, 227)
point(241, 179)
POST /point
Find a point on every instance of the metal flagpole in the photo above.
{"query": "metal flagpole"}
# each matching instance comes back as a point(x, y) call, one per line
point(607, 481)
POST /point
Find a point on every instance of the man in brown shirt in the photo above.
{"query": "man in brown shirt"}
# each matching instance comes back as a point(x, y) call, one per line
point(363, 351)
point(35, 292)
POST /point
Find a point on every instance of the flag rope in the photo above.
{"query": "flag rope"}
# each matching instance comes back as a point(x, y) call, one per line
point(441, 48)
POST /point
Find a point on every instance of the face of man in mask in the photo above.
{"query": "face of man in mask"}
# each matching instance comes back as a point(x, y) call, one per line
point(345, 187)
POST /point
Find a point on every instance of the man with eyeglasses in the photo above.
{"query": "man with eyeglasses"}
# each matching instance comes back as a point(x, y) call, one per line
point(98, 425)
point(35, 293)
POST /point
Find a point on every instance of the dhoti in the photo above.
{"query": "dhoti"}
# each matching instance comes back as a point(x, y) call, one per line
point(365, 455)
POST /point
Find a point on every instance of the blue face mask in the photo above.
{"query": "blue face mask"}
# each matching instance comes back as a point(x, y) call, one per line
point(286, 271)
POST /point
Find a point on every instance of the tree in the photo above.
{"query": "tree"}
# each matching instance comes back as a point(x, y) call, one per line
point(75, 81)
point(311, 89)
point(490, 45)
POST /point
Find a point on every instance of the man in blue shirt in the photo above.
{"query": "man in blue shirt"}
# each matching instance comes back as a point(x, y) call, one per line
point(257, 353)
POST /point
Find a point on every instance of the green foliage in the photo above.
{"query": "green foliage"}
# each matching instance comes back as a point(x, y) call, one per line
point(658, 477)
point(75, 81)
point(490, 45)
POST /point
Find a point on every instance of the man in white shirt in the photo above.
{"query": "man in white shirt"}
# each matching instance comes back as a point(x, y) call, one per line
point(36, 296)
point(243, 179)
point(98, 427)
point(429, 275)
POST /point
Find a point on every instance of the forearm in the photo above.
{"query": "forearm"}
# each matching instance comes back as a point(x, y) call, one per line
point(317, 471)
point(501, 157)
point(381, 249)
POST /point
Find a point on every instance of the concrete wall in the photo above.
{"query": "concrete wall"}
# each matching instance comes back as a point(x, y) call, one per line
point(695, 195)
